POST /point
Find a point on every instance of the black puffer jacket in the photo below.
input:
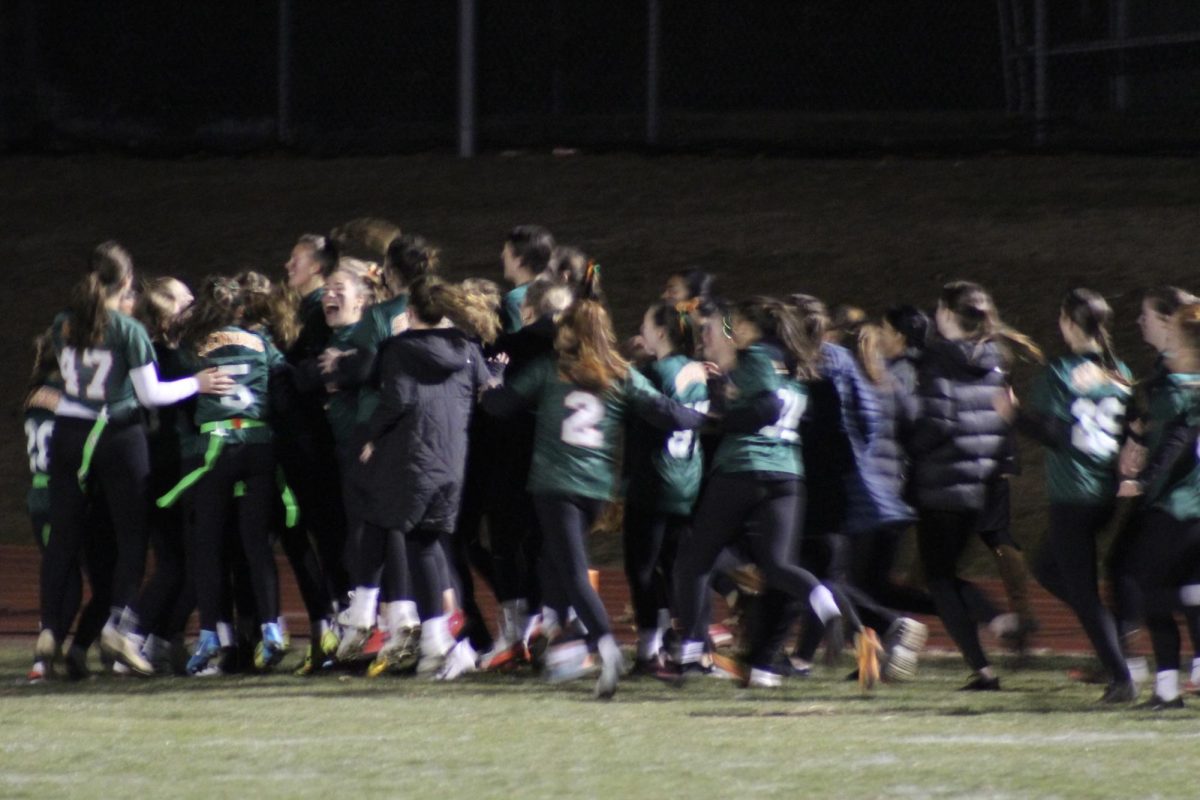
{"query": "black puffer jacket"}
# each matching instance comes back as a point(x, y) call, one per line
point(959, 440)
point(429, 380)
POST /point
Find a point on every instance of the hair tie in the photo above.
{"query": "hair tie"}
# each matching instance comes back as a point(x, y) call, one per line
point(688, 306)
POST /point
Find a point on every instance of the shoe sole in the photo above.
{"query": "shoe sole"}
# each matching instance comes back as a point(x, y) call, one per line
point(901, 665)
point(913, 635)
point(351, 645)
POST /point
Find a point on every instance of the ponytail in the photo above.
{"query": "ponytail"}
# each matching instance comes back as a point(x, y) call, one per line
point(1091, 313)
point(868, 348)
point(587, 348)
point(432, 300)
point(112, 267)
point(269, 306)
point(676, 320)
point(781, 322)
point(976, 314)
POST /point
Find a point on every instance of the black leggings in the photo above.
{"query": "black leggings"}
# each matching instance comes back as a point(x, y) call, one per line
point(120, 467)
point(942, 536)
point(1067, 568)
point(651, 541)
point(874, 558)
point(254, 465)
point(1169, 559)
point(736, 505)
point(566, 521)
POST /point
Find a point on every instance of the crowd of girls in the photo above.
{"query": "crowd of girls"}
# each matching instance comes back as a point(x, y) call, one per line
point(401, 436)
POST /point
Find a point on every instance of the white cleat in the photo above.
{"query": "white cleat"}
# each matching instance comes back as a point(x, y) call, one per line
point(459, 661)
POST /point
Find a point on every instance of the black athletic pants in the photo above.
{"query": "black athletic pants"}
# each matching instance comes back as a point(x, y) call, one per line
point(566, 521)
point(874, 558)
point(942, 536)
point(253, 465)
point(651, 541)
point(741, 505)
point(1169, 559)
point(120, 467)
point(1067, 567)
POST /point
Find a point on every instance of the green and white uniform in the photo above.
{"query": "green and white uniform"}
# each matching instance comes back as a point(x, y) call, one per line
point(39, 429)
point(773, 448)
point(665, 470)
point(379, 322)
point(248, 357)
point(97, 378)
point(1077, 393)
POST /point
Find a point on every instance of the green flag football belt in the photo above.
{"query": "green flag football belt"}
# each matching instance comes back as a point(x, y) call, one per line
point(217, 433)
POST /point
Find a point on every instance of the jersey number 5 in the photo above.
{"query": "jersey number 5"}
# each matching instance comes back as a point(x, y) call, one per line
point(581, 427)
point(242, 397)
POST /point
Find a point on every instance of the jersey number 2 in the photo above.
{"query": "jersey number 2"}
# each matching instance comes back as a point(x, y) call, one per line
point(581, 428)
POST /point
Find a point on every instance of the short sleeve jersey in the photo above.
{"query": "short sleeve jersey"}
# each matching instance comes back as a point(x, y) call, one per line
point(1077, 390)
point(773, 448)
point(1180, 395)
point(577, 431)
point(98, 377)
point(665, 469)
point(248, 357)
point(380, 322)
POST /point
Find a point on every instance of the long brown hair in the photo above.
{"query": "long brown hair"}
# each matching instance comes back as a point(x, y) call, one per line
point(270, 306)
point(783, 323)
point(869, 349)
point(587, 347)
point(432, 299)
point(155, 309)
point(979, 320)
point(112, 266)
point(218, 305)
point(1091, 313)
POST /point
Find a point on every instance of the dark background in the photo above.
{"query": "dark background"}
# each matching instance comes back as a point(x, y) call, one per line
point(377, 77)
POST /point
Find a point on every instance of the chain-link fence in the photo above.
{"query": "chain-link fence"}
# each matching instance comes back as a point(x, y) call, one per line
point(327, 77)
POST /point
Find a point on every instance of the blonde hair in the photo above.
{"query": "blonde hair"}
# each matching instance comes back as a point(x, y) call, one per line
point(431, 299)
point(271, 306)
point(587, 348)
point(156, 306)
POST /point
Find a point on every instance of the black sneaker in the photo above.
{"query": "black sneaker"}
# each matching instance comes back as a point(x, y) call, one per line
point(1156, 703)
point(1120, 692)
point(980, 683)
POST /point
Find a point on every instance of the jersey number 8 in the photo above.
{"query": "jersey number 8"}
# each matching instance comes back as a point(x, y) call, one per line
point(581, 427)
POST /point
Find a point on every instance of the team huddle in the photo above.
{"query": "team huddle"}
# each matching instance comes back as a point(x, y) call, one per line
point(400, 435)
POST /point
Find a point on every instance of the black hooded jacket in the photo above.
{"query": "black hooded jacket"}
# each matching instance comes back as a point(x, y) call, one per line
point(429, 381)
point(959, 441)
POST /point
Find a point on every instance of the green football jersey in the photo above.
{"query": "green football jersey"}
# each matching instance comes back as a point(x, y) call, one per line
point(665, 469)
point(379, 322)
point(342, 407)
point(1077, 390)
point(772, 448)
point(1179, 396)
point(577, 431)
point(247, 357)
point(510, 308)
point(39, 429)
point(98, 376)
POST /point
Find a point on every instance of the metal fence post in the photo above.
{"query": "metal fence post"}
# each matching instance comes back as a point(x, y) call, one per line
point(653, 17)
point(283, 99)
point(466, 78)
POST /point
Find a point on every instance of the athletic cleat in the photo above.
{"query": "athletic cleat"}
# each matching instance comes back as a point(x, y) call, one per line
point(1156, 703)
point(566, 661)
point(606, 684)
point(351, 645)
point(908, 633)
point(796, 667)
point(329, 641)
point(900, 665)
point(271, 650)
point(459, 661)
point(48, 651)
point(1119, 692)
point(76, 663)
point(125, 649)
point(764, 679)
point(399, 653)
point(455, 622)
point(980, 683)
point(37, 673)
point(537, 641)
point(867, 650)
point(719, 635)
point(203, 660)
point(728, 668)
point(504, 656)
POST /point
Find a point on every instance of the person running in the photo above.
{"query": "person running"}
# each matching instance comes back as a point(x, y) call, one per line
point(663, 481)
point(958, 444)
point(1077, 410)
point(583, 394)
point(107, 364)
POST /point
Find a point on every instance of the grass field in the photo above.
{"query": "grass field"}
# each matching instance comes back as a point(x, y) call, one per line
point(506, 736)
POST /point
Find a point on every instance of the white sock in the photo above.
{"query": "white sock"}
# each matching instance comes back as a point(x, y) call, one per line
point(362, 610)
point(225, 634)
point(1166, 684)
point(550, 619)
point(690, 651)
point(1139, 670)
point(664, 619)
point(649, 643)
point(821, 600)
point(609, 652)
point(1196, 670)
point(435, 636)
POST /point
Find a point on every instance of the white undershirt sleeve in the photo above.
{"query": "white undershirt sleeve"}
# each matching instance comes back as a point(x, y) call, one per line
point(151, 392)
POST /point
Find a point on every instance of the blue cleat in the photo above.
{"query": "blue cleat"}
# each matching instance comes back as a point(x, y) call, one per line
point(208, 648)
point(271, 649)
